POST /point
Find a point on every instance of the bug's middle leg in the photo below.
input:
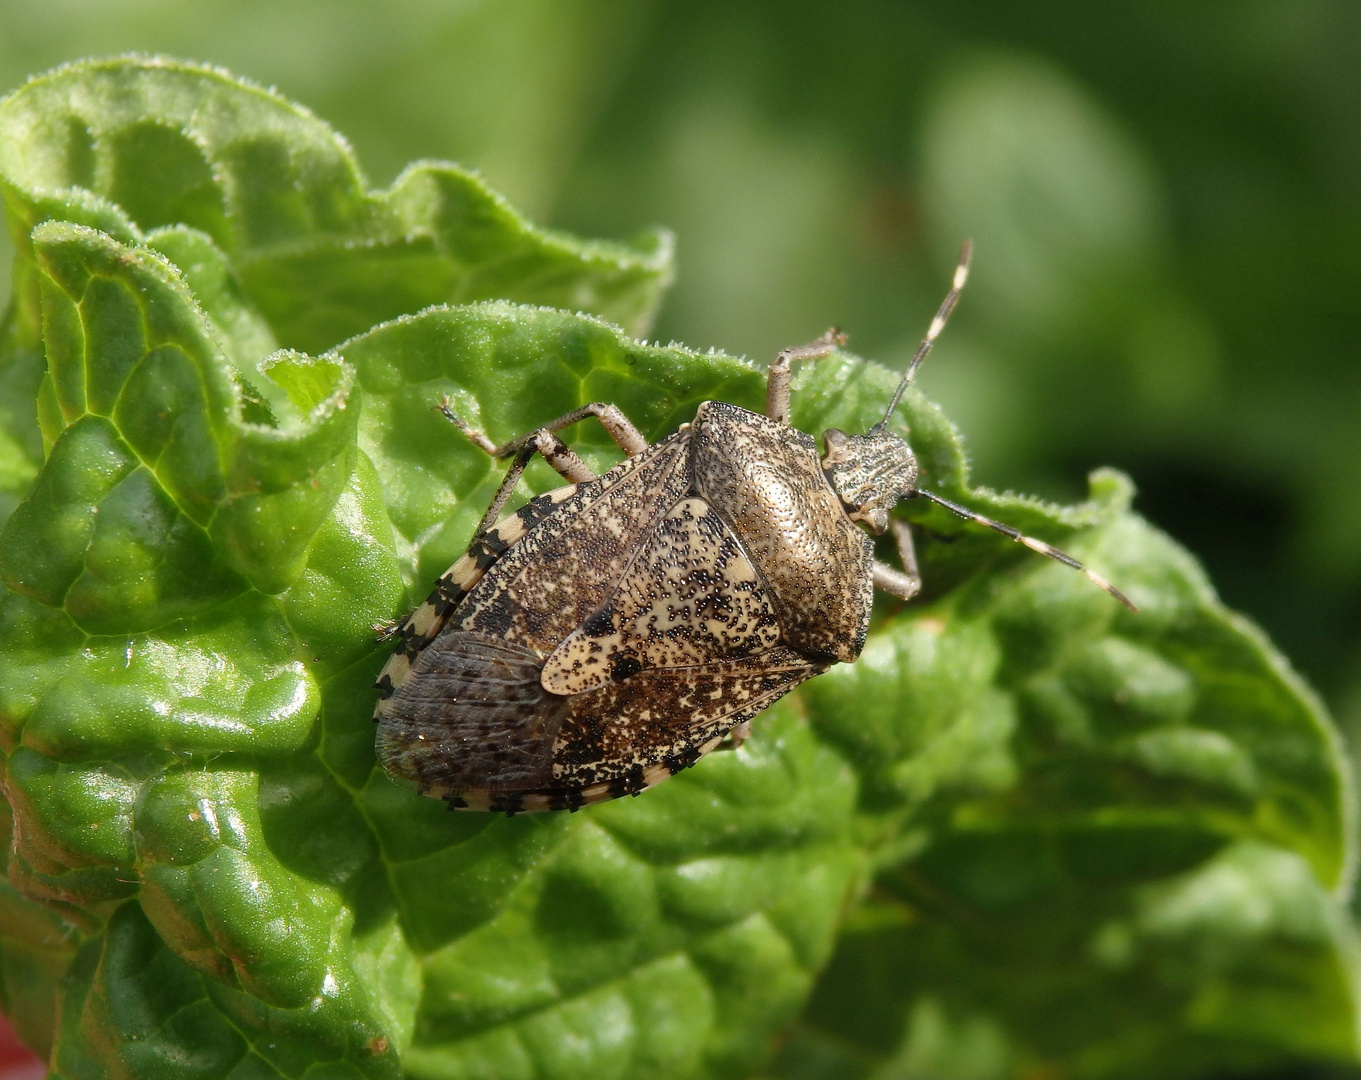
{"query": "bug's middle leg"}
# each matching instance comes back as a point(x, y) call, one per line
point(618, 426)
point(489, 540)
point(485, 547)
point(907, 582)
point(541, 440)
point(777, 378)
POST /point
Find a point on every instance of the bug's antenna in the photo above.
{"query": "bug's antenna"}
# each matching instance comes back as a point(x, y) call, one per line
point(1029, 541)
point(937, 325)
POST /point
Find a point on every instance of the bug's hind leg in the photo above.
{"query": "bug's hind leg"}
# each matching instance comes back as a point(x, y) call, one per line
point(907, 582)
point(736, 737)
point(777, 378)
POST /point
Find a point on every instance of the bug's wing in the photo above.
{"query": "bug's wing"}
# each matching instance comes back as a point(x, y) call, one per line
point(543, 588)
point(625, 736)
point(533, 576)
point(415, 633)
point(477, 727)
point(475, 716)
point(689, 597)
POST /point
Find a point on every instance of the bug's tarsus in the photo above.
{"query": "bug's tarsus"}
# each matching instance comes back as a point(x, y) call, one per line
point(387, 629)
point(735, 738)
point(1037, 546)
point(937, 325)
point(473, 435)
point(777, 377)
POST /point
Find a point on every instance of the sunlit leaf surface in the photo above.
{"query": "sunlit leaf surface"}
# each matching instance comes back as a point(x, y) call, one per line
point(1049, 832)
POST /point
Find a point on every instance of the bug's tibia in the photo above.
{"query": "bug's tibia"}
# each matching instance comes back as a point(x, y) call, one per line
point(895, 582)
point(777, 377)
point(1038, 546)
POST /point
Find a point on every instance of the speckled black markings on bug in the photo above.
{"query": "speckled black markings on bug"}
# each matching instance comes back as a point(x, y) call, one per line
point(610, 633)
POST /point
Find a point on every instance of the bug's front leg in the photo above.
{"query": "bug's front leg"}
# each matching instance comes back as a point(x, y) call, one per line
point(907, 582)
point(777, 378)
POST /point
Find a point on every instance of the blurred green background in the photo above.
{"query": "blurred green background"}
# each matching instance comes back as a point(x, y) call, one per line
point(1164, 200)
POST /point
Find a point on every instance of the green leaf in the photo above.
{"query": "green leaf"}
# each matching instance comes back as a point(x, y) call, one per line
point(1048, 800)
point(1097, 952)
point(508, 369)
point(154, 418)
point(321, 257)
point(22, 367)
point(36, 951)
point(1108, 844)
point(202, 776)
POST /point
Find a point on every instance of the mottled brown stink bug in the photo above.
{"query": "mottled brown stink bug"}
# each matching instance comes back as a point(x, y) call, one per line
point(610, 633)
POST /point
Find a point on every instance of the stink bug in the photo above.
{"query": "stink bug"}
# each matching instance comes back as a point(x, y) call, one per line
point(612, 632)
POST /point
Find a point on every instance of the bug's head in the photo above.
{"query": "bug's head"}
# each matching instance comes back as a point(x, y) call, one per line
point(869, 473)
